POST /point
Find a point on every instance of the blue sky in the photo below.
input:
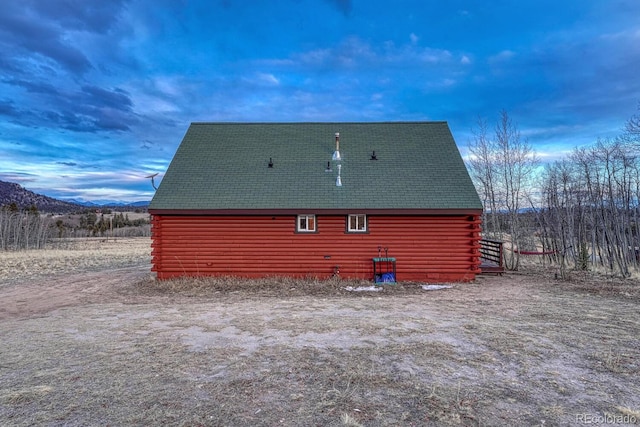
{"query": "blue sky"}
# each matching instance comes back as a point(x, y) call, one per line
point(95, 95)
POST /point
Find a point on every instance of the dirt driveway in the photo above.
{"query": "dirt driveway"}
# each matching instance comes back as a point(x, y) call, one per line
point(112, 347)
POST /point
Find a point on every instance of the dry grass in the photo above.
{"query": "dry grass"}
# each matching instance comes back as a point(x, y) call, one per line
point(270, 287)
point(523, 349)
point(64, 256)
point(631, 413)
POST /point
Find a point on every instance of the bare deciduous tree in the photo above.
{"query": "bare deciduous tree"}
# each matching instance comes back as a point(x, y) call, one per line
point(503, 168)
point(632, 126)
point(482, 165)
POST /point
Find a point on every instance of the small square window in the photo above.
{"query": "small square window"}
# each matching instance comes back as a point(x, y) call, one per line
point(306, 223)
point(357, 224)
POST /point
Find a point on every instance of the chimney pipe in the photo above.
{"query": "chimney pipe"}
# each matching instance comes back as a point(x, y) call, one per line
point(336, 154)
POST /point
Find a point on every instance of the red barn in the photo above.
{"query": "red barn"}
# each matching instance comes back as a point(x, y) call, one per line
point(316, 199)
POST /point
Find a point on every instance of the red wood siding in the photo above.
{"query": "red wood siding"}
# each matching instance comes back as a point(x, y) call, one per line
point(427, 248)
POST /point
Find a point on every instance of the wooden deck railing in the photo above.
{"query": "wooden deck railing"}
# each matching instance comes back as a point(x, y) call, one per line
point(491, 256)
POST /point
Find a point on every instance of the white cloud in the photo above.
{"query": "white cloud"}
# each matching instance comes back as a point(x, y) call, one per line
point(312, 57)
point(268, 79)
point(442, 83)
point(167, 85)
point(502, 56)
point(552, 155)
point(626, 35)
point(354, 52)
point(149, 103)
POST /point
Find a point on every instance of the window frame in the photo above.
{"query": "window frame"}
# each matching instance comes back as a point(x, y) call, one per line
point(306, 230)
point(365, 224)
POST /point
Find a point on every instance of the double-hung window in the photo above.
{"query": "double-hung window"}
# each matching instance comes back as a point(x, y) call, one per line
point(357, 223)
point(306, 223)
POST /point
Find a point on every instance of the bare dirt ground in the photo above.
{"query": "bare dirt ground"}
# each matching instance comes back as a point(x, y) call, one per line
point(95, 341)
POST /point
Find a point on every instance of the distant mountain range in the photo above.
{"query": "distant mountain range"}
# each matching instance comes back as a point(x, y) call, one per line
point(109, 203)
point(11, 192)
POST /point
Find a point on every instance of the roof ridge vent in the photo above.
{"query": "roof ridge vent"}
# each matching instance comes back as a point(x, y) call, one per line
point(336, 154)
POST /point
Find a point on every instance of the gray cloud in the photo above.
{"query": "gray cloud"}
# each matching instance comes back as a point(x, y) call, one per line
point(90, 109)
point(25, 37)
point(33, 86)
point(93, 16)
point(87, 120)
point(45, 54)
point(7, 108)
point(18, 177)
point(33, 30)
point(97, 96)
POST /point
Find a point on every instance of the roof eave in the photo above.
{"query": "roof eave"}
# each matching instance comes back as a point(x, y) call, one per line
point(373, 211)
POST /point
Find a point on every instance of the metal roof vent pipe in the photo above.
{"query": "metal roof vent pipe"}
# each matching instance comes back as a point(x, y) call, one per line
point(336, 154)
point(338, 179)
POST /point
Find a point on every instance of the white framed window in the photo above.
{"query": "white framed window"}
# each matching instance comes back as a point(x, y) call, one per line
point(357, 223)
point(306, 223)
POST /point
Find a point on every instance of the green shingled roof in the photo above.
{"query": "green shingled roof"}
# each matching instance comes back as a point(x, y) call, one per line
point(225, 166)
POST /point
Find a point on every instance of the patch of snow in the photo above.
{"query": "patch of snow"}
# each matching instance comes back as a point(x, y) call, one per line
point(363, 288)
point(435, 287)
